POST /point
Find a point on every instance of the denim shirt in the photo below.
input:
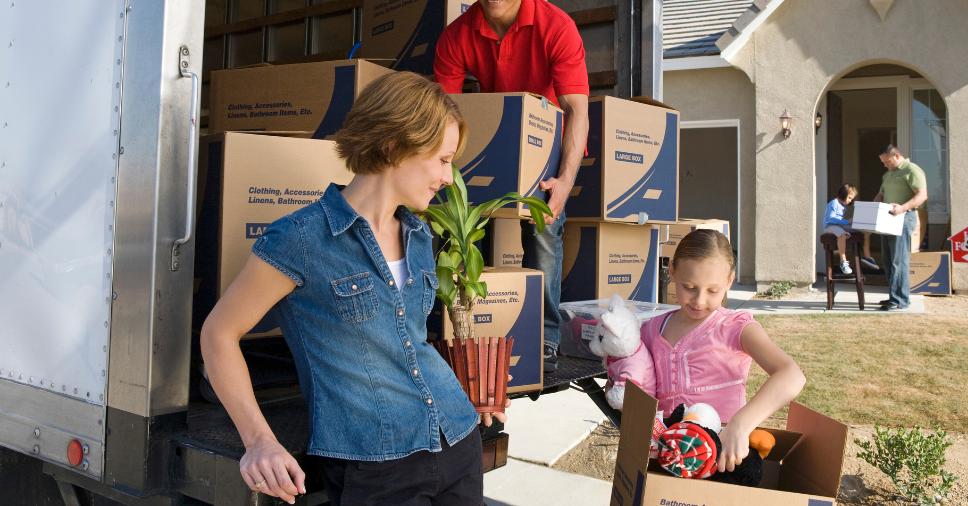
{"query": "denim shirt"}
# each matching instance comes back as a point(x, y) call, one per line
point(375, 388)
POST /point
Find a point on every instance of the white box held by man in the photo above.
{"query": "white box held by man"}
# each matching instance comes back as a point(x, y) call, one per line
point(876, 217)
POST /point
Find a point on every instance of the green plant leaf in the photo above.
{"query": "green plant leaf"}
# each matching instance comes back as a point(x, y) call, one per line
point(476, 235)
point(473, 263)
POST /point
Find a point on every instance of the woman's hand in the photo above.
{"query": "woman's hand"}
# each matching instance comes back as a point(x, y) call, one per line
point(736, 446)
point(268, 468)
point(488, 418)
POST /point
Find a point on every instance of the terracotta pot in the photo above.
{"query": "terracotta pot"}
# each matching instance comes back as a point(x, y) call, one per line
point(481, 366)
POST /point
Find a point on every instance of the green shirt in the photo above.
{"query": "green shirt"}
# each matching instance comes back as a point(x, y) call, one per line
point(899, 186)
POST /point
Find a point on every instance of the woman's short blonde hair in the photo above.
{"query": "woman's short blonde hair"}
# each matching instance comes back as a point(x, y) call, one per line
point(397, 116)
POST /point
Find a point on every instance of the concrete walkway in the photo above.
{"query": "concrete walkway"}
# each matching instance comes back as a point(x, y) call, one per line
point(540, 433)
point(814, 301)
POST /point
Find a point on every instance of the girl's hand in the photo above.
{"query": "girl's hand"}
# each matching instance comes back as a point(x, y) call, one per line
point(268, 468)
point(736, 446)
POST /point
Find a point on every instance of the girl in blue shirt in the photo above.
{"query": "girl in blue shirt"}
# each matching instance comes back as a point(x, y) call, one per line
point(834, 222)
point(352, 281)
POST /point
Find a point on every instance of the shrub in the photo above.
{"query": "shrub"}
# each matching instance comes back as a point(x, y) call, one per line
point(913, 460)
point(778, 289)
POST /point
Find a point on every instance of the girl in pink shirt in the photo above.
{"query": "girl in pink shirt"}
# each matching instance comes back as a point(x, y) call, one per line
point(702, 351)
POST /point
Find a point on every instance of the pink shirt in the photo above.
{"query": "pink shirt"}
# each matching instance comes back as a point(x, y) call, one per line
point(707, 365)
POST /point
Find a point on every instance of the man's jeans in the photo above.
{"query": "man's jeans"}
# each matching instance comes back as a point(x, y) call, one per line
point(897, 259)
point(544, 252)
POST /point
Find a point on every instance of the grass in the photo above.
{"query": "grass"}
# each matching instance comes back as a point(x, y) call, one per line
point(897, 370)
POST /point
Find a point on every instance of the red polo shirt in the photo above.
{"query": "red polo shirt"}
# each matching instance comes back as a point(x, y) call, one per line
point(541, 53)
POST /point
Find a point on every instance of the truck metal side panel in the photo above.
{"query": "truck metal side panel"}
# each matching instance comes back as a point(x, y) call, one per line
point(60, 99)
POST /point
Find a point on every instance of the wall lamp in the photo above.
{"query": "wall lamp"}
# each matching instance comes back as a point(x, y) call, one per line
point(785, 121)
point(818, 122)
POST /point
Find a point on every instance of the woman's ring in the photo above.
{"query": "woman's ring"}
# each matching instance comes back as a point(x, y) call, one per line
point(260, 484)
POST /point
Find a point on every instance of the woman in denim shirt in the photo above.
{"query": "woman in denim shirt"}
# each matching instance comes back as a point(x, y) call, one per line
point(352, 280)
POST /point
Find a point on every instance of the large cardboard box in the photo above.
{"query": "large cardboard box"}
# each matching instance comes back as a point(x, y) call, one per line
point(631, 173)
point(876, 217)
point(513, 143)
point(579, 322)
point(407, 31)
point(803, 469)
point(671, 233)
point(514, 307)
point(602, 259)
point(307, 99)
point(930, 273)
point(245, 182)
point(501, 246)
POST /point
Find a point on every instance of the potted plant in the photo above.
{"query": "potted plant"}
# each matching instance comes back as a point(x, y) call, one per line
point(480, 365)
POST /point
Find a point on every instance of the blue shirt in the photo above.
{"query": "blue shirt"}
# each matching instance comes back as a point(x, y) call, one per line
point(375, 388)
point(834, 214)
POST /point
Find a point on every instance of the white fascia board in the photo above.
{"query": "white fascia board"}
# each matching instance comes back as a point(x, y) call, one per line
point(694, 63)
point(728, 52)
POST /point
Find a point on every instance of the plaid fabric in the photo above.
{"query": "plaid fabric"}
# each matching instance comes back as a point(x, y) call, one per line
point(688, 451)
point(658, 427)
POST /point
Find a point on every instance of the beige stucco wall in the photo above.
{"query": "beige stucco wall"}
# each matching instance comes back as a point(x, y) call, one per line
point(792, 59)
point(730, 98)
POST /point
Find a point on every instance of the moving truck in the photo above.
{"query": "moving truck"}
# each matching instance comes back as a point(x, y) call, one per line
point(103, 399)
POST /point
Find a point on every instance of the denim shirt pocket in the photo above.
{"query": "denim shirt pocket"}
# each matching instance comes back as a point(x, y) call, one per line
point(431, 283)
point(355, 299)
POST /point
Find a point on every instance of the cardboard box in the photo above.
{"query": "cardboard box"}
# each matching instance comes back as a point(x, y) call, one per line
point(501, 246)
point(514, 307)
point(631, 173)
point(245, 182)
point(513, 143)
point(601, 259)
point(671, 233)
point(407, 32)
point(803, 469)
point(307, 99)
point(930, 273)
point(876, 217)
point(580, 320)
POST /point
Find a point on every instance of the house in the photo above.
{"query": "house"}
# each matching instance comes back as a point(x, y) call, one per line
point(853, 75)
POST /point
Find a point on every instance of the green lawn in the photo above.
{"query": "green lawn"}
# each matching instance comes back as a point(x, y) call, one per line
point(895, 370)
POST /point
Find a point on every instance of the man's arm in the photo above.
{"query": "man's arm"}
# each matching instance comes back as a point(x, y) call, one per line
point(575, 107)
point(920, 197)
point(449, 70)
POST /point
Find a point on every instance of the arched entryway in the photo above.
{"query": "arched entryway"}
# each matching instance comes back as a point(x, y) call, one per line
point(862, 111)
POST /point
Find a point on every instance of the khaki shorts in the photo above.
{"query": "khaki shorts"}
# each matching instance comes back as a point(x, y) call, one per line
point(837, 230)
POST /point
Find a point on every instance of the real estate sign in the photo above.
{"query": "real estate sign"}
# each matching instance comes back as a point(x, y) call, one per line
point(959, 246)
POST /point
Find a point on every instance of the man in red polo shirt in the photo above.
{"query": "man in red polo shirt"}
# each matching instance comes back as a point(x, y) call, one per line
point(532, 46)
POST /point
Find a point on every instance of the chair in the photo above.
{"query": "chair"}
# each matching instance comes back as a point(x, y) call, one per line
point(855, 244)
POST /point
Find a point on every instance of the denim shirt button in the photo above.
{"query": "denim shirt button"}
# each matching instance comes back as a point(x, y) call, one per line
point(429, 401)
point(407, 343)
point(391, 283)
point(409, 281)
point(354, 288)
point(399, 312)
point(416, 372)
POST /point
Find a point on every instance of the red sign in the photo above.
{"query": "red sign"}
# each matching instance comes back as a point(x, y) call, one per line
point(959, 246)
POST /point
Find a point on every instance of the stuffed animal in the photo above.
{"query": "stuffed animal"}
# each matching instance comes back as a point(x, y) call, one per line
point(690, 447)
point(618, 340)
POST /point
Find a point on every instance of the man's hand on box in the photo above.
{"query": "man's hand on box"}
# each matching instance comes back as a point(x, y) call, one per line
point(896, 209)
point(559, 190)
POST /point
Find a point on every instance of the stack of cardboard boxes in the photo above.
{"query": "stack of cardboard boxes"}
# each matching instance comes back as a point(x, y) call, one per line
point(628, 183)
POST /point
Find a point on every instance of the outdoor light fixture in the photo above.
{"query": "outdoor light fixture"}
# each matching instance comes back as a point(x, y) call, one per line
point(818, 121)
point(785, 120)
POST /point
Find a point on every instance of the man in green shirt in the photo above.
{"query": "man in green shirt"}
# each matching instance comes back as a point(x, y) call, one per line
point(904, 186)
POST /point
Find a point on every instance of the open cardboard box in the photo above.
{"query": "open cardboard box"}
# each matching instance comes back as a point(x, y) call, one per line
point(804, 467)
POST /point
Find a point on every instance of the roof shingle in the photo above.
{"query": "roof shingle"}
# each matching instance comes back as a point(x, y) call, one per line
point(691, 27)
